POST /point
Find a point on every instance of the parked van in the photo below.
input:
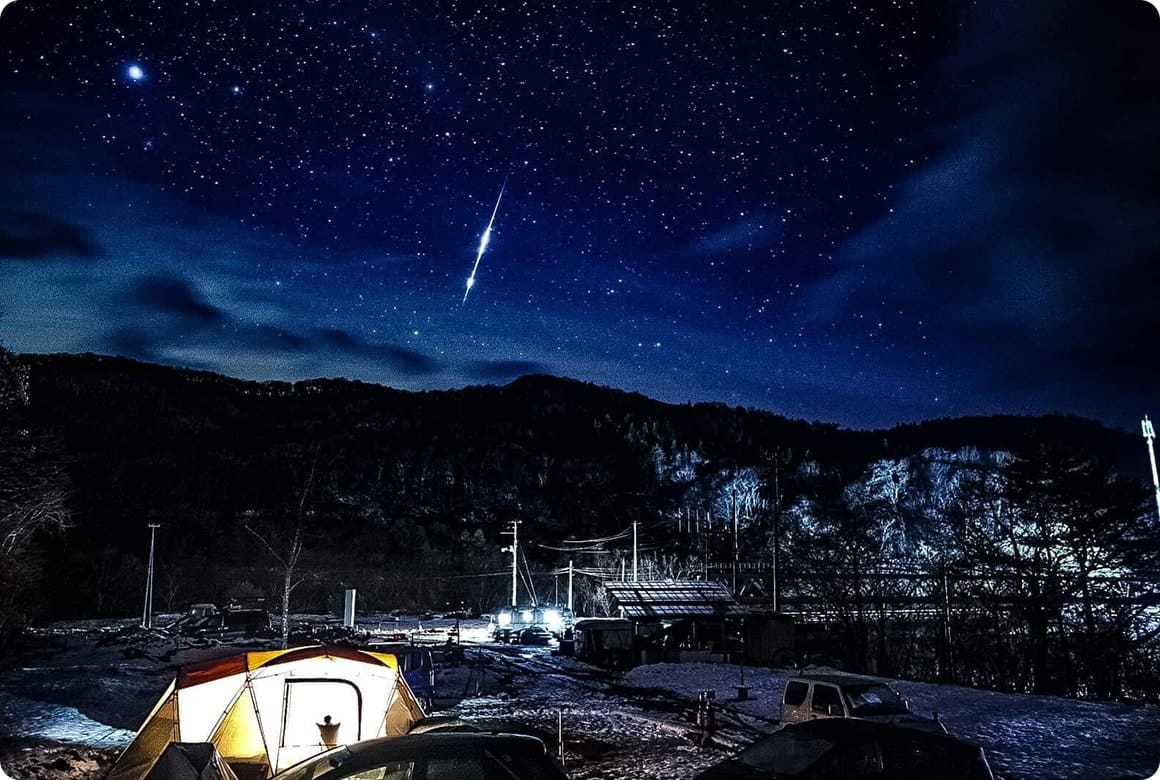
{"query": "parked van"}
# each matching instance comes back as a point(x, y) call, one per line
point(812, 696)
point(417, 665)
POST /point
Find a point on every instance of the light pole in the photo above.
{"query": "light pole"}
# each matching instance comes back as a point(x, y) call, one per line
point(1149, 435)
point(147, 614)
point(514, 549)
point(634, 525)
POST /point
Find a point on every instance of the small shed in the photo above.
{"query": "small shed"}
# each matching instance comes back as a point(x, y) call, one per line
point(605, 641)
point(667, 599)
point(699, 620)
point(769, 638)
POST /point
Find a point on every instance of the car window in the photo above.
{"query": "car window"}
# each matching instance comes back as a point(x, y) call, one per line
point(856, 759)
point(454, 768)
point(795, 692)
point(785, 752)
point(402, 771)
point(824, 696)
point(919, 755)
point(317, 765)
point(874, 700)
point(456, 765)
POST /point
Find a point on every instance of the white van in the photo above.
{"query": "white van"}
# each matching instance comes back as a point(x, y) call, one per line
point(813, 696)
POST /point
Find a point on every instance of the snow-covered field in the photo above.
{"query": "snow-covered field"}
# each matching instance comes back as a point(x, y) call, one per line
point(91, 690)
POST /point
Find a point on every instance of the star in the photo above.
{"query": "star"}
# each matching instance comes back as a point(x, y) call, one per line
point(135, 72)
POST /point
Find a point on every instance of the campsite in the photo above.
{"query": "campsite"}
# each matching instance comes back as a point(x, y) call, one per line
point(69, 709)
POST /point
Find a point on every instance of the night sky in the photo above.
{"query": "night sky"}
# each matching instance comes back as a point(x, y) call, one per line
point(856, 212)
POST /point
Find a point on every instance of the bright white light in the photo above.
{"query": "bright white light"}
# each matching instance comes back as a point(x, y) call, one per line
point(135, 72)
point(483, 242)
point(526, 616)
point(504, 619)
point(554, 620)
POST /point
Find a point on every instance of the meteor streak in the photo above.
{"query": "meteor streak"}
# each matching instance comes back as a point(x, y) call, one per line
point(483, 240)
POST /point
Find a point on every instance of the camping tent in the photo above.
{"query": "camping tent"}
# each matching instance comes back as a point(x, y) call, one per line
point(262, 710)
point(191, 761)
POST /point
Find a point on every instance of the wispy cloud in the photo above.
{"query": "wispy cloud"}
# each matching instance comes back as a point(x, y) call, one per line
point(750, 232)
point(1020, 244)
point(25, 235)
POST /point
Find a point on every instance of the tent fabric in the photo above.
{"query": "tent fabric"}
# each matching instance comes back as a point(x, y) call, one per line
point(159, 729)
point(207, 671)
point(191, 761)
point(261, 711)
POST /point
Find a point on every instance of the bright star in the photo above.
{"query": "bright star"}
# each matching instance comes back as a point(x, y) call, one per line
point(135, 73)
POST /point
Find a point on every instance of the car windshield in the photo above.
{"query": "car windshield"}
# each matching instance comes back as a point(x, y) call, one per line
point(313, 767)
point(785, 752)
point(873, 700)
point(423, 762)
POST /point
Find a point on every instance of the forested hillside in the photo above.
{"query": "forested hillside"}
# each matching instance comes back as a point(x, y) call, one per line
point(1004, 538)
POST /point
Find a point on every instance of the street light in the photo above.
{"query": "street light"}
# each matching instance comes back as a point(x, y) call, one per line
point(147, 613)
point(1149, 435)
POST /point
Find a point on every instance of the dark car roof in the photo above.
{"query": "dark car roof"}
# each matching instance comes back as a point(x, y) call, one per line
point(409, 744)
point(838, 679)
point(838, 729)
point(370, 753)
point(841, 731)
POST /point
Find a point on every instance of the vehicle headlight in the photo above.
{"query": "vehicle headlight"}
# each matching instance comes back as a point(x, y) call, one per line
point(504, 619)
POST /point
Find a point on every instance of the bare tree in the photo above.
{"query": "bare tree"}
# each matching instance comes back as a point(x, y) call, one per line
point(33, 494)
point(289, 553)
point(1052, 529)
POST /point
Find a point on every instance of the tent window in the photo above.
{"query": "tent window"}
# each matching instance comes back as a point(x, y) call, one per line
point(307, 703)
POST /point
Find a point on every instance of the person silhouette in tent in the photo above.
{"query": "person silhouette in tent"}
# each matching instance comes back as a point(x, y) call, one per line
point(328, 732)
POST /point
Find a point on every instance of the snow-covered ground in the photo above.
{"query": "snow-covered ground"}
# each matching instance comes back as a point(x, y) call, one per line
point(90, 689)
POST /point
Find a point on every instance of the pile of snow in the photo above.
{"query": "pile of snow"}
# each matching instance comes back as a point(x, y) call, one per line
point(31, 719)
point(1024, 736)
point(634, 724)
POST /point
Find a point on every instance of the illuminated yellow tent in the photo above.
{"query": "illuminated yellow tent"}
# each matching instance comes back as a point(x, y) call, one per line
point(262, 711)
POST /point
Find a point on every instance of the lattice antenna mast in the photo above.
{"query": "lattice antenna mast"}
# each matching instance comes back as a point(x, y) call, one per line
point(1149, 435)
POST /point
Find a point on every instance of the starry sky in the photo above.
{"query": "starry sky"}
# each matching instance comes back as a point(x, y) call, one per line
point(862, 212)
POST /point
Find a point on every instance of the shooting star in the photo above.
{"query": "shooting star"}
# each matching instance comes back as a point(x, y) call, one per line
point(483, 243)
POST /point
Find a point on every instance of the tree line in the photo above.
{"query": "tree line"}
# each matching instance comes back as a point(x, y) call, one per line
point(982, 551)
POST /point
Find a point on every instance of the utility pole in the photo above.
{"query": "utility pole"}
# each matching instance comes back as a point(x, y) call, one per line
point(147, 613)
point(515, 550)
point(634, 525)
point(569, 584)
point(777, 530)
point(1149, 435)
point(736, 552)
